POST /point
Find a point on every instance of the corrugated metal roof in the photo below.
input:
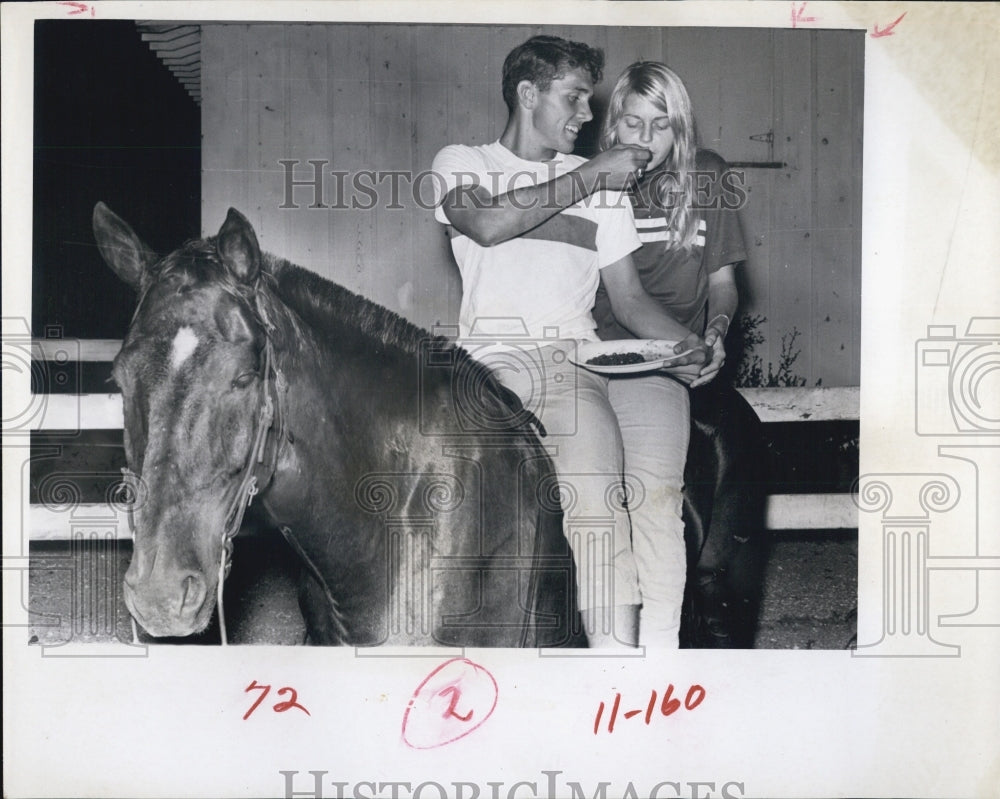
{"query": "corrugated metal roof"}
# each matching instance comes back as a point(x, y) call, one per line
point(179, 47)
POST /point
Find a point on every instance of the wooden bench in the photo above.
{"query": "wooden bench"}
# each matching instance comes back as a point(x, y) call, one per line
point(784, 511)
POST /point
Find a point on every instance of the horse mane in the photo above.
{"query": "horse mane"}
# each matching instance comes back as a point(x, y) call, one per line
point(325, 305)
point(331, 308)
point(336, 311)
point(341, 315)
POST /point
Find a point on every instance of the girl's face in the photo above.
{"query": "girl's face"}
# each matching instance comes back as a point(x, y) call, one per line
point(644, 124)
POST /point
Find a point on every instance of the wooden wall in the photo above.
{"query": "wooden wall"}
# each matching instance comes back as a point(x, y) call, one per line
point(387, 97)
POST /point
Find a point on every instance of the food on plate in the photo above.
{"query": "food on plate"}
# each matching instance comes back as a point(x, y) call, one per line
point(616, 359)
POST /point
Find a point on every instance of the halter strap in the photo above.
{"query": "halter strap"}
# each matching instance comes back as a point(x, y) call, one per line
point(258, 470)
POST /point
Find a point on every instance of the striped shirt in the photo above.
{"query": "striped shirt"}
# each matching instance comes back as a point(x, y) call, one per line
point(541, 284)
point(678, 280)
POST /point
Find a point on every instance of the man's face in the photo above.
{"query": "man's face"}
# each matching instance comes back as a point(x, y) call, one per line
point(560, 111)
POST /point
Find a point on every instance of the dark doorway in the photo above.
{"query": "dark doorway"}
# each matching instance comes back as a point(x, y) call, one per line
point(111, 123)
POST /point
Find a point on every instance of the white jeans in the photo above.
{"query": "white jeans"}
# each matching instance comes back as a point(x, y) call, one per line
point(600, 431)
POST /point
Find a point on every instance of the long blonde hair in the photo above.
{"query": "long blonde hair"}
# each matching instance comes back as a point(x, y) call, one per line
point(675, 188)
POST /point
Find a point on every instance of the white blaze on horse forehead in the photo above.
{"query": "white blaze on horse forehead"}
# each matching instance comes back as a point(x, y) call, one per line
point(185, 342)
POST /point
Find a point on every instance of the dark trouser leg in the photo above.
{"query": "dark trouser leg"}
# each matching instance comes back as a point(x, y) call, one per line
point(725, 492)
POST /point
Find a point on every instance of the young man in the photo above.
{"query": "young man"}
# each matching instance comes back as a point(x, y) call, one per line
point(533, 229)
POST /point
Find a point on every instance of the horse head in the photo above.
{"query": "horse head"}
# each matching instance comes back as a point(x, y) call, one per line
point(196, 387)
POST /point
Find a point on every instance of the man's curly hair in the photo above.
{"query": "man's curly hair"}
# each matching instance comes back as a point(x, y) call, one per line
point(543, 59)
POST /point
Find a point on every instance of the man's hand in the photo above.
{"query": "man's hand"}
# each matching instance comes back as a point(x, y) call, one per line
point(617, 168)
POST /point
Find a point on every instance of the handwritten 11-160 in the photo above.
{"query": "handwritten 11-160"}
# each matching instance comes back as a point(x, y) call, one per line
point(668, 705)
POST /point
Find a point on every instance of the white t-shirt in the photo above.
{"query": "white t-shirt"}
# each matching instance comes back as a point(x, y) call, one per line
point(541, 284)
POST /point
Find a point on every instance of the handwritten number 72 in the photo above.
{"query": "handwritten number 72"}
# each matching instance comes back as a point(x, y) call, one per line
point(279, 707)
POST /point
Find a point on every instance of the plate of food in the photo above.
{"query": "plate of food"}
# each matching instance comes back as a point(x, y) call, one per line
point(627, 356)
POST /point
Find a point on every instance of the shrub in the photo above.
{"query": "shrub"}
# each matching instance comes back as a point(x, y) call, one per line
point(749, 372)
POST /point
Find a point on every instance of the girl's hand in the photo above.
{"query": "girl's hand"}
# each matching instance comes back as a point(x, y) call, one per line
point(691, 365)
point(684, 374)
point(716, 341)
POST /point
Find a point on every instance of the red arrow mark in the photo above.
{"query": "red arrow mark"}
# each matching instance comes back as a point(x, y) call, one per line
point(798, 15)
point(888, 30)
point(81, 8)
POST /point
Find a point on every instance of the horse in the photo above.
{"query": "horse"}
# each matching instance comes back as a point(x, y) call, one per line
point(724, 507)
point(413, 487)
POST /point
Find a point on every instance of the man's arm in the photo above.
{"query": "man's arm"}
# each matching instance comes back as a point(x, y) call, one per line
point(491, 220)
point(644, 317)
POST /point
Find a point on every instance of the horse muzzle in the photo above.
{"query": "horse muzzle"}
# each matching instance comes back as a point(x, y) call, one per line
point(177, 605)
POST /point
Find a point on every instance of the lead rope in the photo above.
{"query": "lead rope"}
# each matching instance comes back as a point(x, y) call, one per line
point(226, 559)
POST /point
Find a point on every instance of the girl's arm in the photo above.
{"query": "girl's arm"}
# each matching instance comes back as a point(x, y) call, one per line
point(723, 299)
point(645, 317)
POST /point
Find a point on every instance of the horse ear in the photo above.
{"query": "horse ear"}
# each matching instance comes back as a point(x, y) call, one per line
point(121, 249)
point(238, 248)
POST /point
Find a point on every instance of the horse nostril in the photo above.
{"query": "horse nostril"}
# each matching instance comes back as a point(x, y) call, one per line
point(192, 594)
point(131, 581)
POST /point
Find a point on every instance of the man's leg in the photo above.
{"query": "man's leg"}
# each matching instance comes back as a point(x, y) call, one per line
point(586, 448)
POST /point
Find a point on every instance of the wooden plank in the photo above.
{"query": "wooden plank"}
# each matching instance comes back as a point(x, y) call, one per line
point(622, 46)
point(835, 340)
point(790, 269)
point(225, 123)
point(104, 411)
point(836, 191)
point(503, 39)
point(391, 262)
point(793, 98)
point(840, 403)
point(476, 113)
point(351, 230)
point(438, 286)
point(836, 104)
point(811, 512)
point(309, 139)
point(745, 94)
point(703, 77)
point(858, 123)
point(267, 70)
point(48, 524)
point(784, 512)
point(80, 412)
point(95, 350)
point(746, 110)
point(472, 81)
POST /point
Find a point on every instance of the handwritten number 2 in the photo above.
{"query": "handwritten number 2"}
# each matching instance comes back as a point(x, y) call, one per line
point(455, 694)
point(279, 707)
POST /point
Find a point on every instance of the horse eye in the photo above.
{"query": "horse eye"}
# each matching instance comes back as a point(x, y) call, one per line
point(244, 380)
